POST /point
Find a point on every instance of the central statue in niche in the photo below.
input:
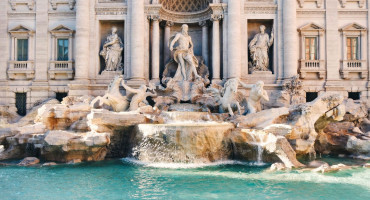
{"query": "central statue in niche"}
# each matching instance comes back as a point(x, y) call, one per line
point(184, 56)
point(259, 48)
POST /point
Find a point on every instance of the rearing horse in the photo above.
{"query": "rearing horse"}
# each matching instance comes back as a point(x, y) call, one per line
point(229, 97)
point(113, 97)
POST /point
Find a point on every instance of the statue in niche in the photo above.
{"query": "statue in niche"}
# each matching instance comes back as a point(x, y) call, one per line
point(112, 51)
point(256, 94)
point(259, 48)
point(184, 56)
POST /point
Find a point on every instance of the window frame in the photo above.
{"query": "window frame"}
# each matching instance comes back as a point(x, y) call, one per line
point(65, 57)
point(316, 48)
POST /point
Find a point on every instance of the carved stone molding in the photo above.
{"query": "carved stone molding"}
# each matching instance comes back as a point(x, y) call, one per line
point(203, 23)
point(112, 1)
point(71, 3)
point(343, 3)
point(29, 3)
point(185, 6)
point(318, 3)
point(255, 9)
point(111, 11)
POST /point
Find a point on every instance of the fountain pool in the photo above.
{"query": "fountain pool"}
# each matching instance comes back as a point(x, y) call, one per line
point(124, 179)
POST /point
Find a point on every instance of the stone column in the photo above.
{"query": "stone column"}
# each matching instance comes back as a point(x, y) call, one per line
point(82, 40)
point(204, 25)
point(234, 38)
point(137, 47)
point(166, 49)
point(290, 38)
point(155, 49)
point(216, 60)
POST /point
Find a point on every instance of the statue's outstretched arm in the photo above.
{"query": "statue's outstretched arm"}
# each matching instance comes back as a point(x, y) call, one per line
point(128, 88)
point(245, 85)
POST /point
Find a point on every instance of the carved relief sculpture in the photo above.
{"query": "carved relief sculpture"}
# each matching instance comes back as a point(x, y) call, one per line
point(184, 56)
point(259, 48)
point(112, 51)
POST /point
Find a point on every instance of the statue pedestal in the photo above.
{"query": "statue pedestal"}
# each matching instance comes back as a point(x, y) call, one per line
point(107, 76)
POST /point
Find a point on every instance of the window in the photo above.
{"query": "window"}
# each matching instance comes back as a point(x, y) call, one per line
point(60, 96)
point(311, 96)
point(22, 49)
point(311, 48)
point(352, 48)
point(354, 95)
point(62, 51)
point(20, 103)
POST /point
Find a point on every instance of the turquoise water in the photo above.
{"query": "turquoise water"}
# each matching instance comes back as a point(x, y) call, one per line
point(120, 179)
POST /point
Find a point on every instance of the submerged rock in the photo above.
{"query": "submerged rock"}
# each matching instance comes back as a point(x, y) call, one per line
point(29, 161)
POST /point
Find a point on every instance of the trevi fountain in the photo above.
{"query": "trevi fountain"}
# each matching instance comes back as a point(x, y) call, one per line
point(188, 135)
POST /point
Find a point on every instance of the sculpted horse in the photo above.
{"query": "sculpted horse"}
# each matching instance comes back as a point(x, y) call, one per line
point(113, 97)
point(230, 98)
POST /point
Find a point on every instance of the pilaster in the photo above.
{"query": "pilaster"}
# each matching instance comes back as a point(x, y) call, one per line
point(234, 39)
point(290, 35)
point(155, 49)
point(204, 25)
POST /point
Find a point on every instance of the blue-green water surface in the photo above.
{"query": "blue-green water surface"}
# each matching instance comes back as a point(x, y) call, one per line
point(117, 179)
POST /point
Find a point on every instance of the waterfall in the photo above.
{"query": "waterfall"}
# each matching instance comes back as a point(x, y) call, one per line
point(258, 140)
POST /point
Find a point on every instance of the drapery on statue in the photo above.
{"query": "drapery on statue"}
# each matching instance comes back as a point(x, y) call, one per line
point(256, 94)
point(112, 51)
point(184, 56)
point(259, 48)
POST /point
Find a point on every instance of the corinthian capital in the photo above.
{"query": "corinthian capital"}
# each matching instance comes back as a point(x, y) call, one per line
point(216, 17)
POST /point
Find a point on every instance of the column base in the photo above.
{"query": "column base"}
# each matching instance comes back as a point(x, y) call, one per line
point(136, 82)
point(155, 82)
point(216, 81)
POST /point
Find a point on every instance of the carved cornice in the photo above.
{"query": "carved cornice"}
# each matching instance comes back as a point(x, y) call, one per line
point(152, 10)
point(21, 14)
point(71, 3)
point(311, 12)
point(112, 1)
point(352, 12)
point(111, 11)
point(260, 9)
point(343, 3)
point(318, 3)
point(29, 3)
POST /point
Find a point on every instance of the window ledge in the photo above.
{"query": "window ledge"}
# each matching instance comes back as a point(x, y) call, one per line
point(21, 70)
point(353, 66)
point(312, 66)
point(61, 70)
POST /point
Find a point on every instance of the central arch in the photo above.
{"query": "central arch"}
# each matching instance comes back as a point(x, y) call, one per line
point(185, 5)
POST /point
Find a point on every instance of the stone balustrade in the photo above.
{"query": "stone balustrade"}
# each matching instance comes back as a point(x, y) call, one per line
point(312, 66)
point(61, 70)
point(353, 66)
point(20, 70)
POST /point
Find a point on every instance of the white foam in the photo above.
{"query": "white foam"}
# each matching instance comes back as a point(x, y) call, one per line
point(189, 165)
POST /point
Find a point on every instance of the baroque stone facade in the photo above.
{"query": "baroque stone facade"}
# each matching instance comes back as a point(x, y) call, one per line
point(50, 48)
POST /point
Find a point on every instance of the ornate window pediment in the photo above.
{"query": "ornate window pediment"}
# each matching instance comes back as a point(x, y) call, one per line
point(185, 5)
point(20, 29)
point(61, 29)
point(353, 27)
point(311, 27)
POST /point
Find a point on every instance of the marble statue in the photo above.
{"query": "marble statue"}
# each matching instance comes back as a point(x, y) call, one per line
point(256, 94)
point(113, 97)
point(139, 96)
point(259, 48)
point(184, 56)
point(112, 51)
point(230, 97)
